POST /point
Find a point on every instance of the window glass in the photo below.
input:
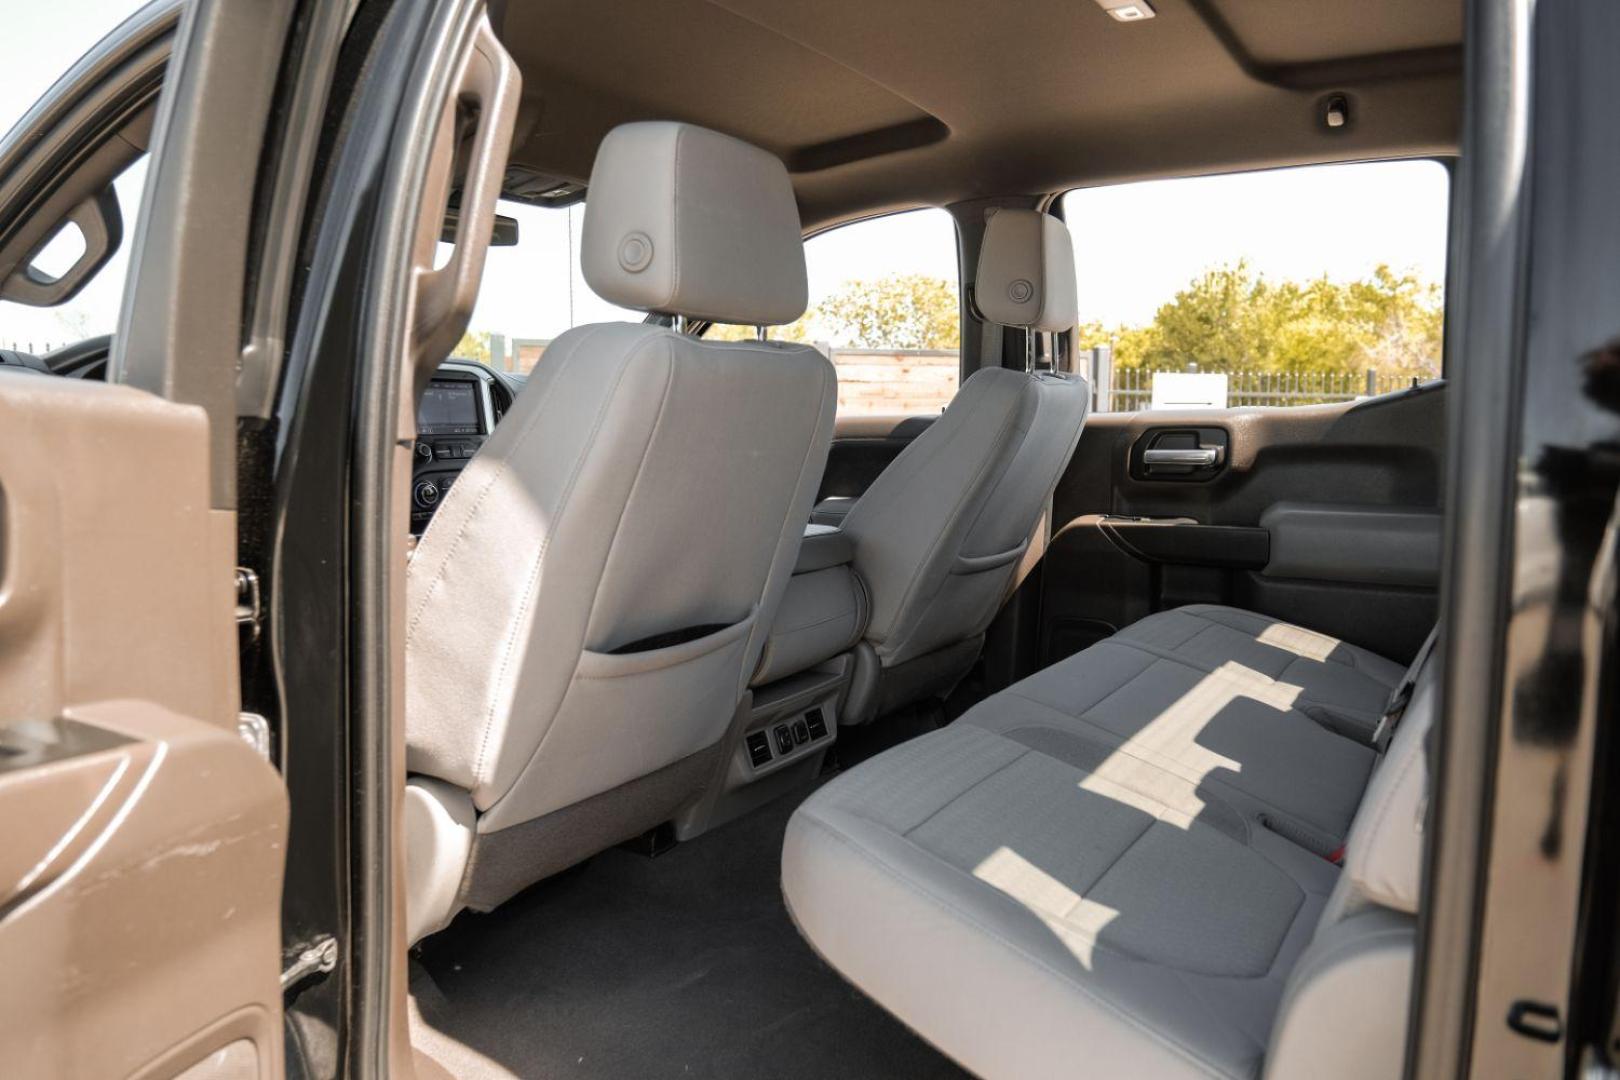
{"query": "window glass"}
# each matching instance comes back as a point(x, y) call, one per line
point(41, 42)
point(94, 311)
point(1285, 287)
point(533, 291)
point(884, 307)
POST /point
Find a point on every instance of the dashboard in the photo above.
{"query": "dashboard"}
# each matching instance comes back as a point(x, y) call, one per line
point(458, 411)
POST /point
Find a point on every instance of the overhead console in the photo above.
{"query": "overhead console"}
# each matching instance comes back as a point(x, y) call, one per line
point(457, 413)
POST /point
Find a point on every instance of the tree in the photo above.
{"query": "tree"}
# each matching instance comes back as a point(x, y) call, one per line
point(900, 311)
point(474, 345)
point(1230, 318)
point(793, 331)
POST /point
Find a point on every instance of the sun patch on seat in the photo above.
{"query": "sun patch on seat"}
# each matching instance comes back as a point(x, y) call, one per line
point(1307, 644)
point(1075, 920)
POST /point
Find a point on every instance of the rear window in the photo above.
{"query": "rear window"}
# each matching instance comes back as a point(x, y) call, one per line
point(1284, 287)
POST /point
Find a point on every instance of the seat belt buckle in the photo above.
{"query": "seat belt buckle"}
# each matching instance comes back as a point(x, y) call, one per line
point(1336, 856)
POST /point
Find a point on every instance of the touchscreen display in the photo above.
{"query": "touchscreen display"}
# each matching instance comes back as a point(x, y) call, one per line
point(448, 408)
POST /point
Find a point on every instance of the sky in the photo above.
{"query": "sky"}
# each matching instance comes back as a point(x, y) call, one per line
point(1136, 244)
point(42, 39)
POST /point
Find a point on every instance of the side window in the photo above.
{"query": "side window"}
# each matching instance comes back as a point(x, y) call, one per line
point(533, 291)
point(94, 310)
point(884, 307)
point(1286, 287)
point(41, 49)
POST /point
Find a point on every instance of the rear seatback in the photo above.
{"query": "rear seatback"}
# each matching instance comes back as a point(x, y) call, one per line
point(1116, 867)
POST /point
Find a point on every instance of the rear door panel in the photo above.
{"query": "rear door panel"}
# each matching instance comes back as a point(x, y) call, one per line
point(1327, 516)
point(140, 878)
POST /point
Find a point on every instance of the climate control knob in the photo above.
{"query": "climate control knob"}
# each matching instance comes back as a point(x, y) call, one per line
point(426, 494)
point(424, 451)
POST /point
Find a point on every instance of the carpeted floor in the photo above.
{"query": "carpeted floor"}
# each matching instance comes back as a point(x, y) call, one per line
point(684, 965)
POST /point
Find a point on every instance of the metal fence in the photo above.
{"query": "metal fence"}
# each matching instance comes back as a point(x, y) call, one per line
point(33, 348)
point(1130, 389)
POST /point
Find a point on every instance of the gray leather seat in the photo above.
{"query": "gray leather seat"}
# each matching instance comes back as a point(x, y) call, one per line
point(941, 534)
point(1119, 867)
point(591, 598)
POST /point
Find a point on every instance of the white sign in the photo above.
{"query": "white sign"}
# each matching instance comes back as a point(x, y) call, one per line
point(1188, 390)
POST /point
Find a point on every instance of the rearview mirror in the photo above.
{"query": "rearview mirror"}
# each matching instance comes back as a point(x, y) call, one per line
point(504, 234)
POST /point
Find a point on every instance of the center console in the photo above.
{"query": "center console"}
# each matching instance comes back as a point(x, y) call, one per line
point(456, 415)
point(789, 719)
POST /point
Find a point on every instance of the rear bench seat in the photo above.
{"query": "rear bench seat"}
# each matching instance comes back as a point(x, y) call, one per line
point(1123, 866)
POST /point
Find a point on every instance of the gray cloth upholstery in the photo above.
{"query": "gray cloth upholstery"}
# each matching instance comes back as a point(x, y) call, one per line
point(1026, 272)
point(940, 534)
point(821, 615)
point(589, 601)
point(1340, 686)
point(551, 560)
point(823, 546)
point(692, 222)
point(943, 533)
point(1084, 876)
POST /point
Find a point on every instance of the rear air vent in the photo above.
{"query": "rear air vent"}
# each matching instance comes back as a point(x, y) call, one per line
point(817, 722)
point(759, 748)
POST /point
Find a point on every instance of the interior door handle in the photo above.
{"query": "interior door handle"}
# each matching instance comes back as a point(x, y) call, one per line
point(1202, 457)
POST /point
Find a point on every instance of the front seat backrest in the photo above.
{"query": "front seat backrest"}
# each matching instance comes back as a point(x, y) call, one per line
point(589, 599)
point(941, 532)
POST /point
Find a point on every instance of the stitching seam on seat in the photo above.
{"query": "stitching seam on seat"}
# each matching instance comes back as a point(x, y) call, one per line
point(1258, 1051)
point(1166, 1041)
point(788, 630)
point(796, 515)
point(500, 470)
point(1190, 665)
point(954, 799)
point(530, 589)
point(1197, 787)
point(1171, 765)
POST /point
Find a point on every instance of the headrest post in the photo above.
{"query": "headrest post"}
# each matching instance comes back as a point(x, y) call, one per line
point(678, 323)
point(1029, 351)
point(759, 333)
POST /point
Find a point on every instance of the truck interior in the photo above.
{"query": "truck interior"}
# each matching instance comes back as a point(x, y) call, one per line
point(996, 739)
point(742, 733)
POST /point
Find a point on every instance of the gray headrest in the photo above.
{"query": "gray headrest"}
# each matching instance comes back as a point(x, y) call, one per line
point(686, 221)
point(1026, 272)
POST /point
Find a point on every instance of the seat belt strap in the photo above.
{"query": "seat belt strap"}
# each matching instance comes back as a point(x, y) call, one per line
point(989, 344)
point(1401, 696)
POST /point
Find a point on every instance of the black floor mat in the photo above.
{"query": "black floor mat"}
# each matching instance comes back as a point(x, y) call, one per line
point(685, 965)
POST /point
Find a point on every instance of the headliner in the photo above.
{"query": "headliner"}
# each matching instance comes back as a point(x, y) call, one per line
point(879, 104)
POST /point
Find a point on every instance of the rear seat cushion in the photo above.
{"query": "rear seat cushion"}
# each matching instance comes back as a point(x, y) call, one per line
point(1101, 865)
point(966, 868)
point(1338, 685)
point(1250, 711)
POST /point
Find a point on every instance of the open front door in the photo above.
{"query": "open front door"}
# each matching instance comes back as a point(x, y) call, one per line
point(140, 875)
point(142, 838)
